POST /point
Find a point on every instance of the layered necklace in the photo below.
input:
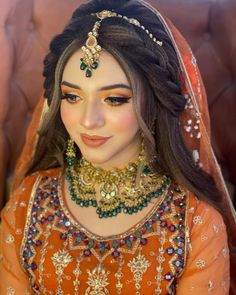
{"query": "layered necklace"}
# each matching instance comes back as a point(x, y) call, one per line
point(111, 192)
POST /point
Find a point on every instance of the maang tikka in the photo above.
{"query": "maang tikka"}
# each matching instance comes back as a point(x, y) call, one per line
point(91, 49)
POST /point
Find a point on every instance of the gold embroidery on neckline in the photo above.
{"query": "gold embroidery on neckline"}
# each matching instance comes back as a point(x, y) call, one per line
point(93, 236)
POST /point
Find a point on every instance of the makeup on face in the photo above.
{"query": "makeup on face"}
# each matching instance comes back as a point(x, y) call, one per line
point(98, 113)
point(113, 95)
point(93, 140)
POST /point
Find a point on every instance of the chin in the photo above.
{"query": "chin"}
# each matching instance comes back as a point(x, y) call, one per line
point(95, 158)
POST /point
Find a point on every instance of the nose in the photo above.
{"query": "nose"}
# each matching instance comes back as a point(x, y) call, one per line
point(92, 115)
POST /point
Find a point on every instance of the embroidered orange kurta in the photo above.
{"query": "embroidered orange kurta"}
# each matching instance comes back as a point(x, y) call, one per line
point(180, 247)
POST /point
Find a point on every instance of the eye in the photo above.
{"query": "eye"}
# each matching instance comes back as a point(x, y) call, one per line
point(71, 97)
point(117, 100)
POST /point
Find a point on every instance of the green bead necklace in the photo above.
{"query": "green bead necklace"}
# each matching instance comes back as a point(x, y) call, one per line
point(126, 190)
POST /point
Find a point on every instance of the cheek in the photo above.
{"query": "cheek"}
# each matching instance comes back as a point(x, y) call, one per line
point(67, 115)
point(125, 121)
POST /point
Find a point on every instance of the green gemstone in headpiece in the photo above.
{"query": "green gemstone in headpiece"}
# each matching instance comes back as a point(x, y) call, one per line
point(95, 65)
point(83, 66)
point(88, 73)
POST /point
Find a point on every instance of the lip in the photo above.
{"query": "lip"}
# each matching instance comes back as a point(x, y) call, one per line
point(94, 140)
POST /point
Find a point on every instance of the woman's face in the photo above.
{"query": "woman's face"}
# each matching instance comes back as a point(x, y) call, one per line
point(98, 112)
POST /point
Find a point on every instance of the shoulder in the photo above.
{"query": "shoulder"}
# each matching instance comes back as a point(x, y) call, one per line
point(207, 261)
point(30, 180)
point(206, 226)
point(53, 172)
point(201, 213)
point(16, 207)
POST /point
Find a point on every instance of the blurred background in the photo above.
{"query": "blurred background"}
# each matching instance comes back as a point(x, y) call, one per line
point(27, 26)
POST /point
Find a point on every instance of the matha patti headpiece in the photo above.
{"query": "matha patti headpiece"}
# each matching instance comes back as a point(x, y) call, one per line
point(92, 50)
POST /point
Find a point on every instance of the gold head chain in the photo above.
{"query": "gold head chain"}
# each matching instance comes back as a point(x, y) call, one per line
point(91, 49)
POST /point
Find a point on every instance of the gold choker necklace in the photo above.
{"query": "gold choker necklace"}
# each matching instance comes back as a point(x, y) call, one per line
point(129, 189)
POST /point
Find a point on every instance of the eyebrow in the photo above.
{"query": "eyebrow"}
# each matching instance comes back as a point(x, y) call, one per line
point(109, 87)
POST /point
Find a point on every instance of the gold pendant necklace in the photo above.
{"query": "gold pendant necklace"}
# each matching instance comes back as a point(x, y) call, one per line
point(129, 189)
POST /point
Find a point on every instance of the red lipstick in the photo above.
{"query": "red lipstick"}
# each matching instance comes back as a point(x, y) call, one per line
point(94, 140)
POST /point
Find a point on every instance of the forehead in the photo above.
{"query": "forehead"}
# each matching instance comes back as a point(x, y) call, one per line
point(109, 72)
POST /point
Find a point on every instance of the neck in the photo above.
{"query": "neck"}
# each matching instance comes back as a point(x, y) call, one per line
point(120, 161)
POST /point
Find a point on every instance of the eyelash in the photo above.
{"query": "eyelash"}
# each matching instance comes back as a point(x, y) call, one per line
point(117, 100)
point(70, 97)
point(111, 100)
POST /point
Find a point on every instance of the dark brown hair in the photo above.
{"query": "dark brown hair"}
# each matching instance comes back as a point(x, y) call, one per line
point(153, 72)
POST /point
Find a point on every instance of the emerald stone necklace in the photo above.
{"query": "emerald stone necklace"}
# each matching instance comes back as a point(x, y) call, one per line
point(126, 190)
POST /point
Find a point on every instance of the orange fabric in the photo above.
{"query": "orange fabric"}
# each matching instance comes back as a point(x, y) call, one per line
point(60, 261)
